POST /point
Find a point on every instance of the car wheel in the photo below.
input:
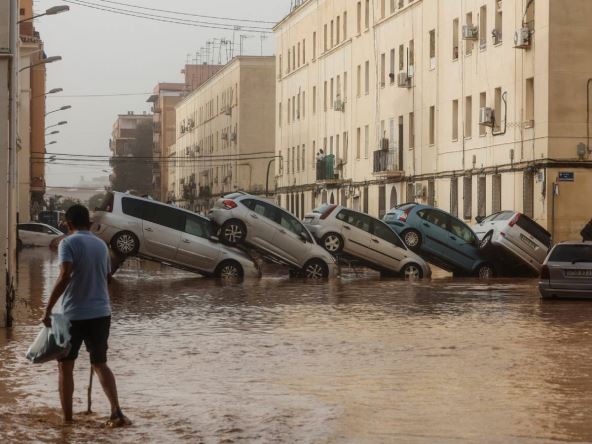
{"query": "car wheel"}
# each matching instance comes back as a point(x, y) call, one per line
point(332, 242)
point(233, 232)
point(411, 272)
point(412, 239)
point(316, 269)
point(486, 241)
point(125, 243)
point(229, 271)
point(485, 271)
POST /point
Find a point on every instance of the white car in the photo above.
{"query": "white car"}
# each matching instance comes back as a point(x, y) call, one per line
point(517, 234)
point(346, 232)
point(34, 234)
point(132, 226)
point(247, 219)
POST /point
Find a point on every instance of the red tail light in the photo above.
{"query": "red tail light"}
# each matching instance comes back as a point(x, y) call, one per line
point(403, 217)
point(514, 220)
point(328, 212)
point(545, 273)
point(229, 204)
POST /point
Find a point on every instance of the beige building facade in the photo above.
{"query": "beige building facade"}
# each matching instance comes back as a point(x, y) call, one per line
point(225, 134)
point(473, 106)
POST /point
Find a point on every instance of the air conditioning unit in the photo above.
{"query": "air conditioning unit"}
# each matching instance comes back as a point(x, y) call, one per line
point(339, 105)
point(403, 80)
point(233, 137)
point(384, 144)
point(224, 136)
point(486, 117)
point(419, 191)
point(522, 38)
point(470, 32)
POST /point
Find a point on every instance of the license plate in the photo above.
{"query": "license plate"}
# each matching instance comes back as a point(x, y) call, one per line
point(578, 273)
point(528, 242)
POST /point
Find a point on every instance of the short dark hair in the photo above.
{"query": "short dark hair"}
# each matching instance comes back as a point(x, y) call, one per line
point(78, 216)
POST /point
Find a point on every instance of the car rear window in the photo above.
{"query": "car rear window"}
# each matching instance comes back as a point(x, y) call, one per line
point(322, 208)
point(406, 207)
point(572, 253)
point(531, 227)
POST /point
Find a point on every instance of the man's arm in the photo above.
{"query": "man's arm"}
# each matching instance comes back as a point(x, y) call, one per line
point(58, 290)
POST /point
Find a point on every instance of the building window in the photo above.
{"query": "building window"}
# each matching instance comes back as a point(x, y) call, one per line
point(498, 108)
point(366, 141)
point(289, 60)
point(482, 196)
point(483, 27)
point(392, 9)
point(338, 88)
point(401, 57)
point(345, 146)
point(325, 37)
point(314, 45)
point(367, 15)
point(467, 197)
point(411, 58)
point(344, 25)
point(454, 120)
point(469, 116)
point(298, 108)
point(332, 34)
point(303, 157)
point(482, 104)
point(367, 78)
point(359, 10)
point(455, 39)
point(358, 143)
point(298, 158)
point(499, 24)
point(432, 49)
point(410, 192)
point(432, 139)
point(299, 49)
point(454, 196)
point(382, 8)
point(359, 86)
point(382, 70)
point(338, 29)
point(331, 145)
point(345, 86)
point(280, 114)
point(392, 66)
point(325, 95)
point(314, 153)
point(529, 114)
point(314, 99)
point(303, 104)
point(411, 131)
point(431, 192)
point(528, 194)
point(469, 43)
point(332, 95)
point(289, 105)
point(337, 147)
point(496, 193)
point(303, 51)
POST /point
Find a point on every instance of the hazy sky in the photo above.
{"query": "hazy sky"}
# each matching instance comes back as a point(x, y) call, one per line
point(105, 53)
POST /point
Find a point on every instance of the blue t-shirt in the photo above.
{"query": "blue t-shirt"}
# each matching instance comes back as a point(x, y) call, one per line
point(86, 296)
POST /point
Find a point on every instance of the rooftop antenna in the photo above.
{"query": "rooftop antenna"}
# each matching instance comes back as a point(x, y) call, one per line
point(262, 37)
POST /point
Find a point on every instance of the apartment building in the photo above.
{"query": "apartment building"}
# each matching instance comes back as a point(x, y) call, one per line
point(473, 106)
point(164, 99)
point(226, 134)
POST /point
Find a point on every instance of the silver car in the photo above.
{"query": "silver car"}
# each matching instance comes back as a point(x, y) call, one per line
point(567, 271)
point(517, 234)
point(248, 219)
point(135, 226)
point(342, 231)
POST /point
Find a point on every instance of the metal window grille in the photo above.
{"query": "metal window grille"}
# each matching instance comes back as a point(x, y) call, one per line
point(496, 193)
point(482, 196)
point(468, 197)
point(454, 196)
point(410, 192)
point(381, 201)
point(528, 193)
point(365, 199)
point(431, 192)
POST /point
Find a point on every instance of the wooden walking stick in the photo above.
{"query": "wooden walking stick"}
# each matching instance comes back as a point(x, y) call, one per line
point(89, 393)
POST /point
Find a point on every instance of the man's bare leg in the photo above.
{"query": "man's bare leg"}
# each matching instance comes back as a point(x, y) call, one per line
point(107, 380)
point(66, 382)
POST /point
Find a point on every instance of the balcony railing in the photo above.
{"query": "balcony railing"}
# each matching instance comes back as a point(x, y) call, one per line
point(385, 161)
point(326, 168)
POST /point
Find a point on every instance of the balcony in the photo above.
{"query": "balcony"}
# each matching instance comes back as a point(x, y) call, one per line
point(386, 162)
point(326, 170)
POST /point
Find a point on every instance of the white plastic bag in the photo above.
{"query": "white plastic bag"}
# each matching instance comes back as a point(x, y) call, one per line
point(51, 342)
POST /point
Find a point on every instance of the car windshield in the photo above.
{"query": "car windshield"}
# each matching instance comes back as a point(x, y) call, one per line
point(391, 217)
point(321, 209)
point(572, 253)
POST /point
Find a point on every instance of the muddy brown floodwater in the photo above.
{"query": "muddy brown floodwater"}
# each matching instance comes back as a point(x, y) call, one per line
point(355, 360)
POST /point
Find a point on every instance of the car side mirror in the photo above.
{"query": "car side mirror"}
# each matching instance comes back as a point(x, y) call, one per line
point(479, 219)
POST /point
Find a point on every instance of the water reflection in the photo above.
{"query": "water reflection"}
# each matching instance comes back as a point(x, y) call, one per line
point(354, 360)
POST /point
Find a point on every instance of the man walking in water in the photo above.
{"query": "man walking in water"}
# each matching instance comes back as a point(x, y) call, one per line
point(82, 285)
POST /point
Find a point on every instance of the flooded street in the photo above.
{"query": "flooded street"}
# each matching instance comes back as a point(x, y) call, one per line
point(355, 360)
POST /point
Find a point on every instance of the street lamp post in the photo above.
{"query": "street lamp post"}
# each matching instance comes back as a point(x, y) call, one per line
point(52, 133)
point(44, 61)
point(51, 91)
point(63, 122)
point(51, 11)
point(63, 108)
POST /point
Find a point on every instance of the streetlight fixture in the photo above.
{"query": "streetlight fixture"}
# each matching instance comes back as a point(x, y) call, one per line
point(63, 108)
point(44, 61)
point(51, 11)
point(63, 122)
point(51, 91)
point(50, 143)
point(52, 133)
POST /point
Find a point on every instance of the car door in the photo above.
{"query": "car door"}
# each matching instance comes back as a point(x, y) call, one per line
point(162, 226)
point(196, 250)
point(292, 239)
point(465, 245)
point(436, 239)
point(261, 224)
point(386, 248)
point(47, 235)
point(26, 234)
point(355, 229)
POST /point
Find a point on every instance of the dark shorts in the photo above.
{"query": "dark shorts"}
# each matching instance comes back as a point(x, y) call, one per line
point(95, 334)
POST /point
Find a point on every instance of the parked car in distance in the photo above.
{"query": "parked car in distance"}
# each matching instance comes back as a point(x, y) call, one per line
point(567, 271)
point(34, 234)
point(153, 230)
point(346, 232)
point(440, 238)
point(516, 234)
point(251, 220)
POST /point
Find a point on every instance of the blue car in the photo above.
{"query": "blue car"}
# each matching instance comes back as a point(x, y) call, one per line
point(440, 238)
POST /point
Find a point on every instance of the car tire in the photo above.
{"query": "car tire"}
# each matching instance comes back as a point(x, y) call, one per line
point(411, 238)
point(229, 271)
point(125, 243)
point(332, 242)
point(485, 243)
point(315, 269)
point(411, 271)
point(485, 271)
point(233, 232)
